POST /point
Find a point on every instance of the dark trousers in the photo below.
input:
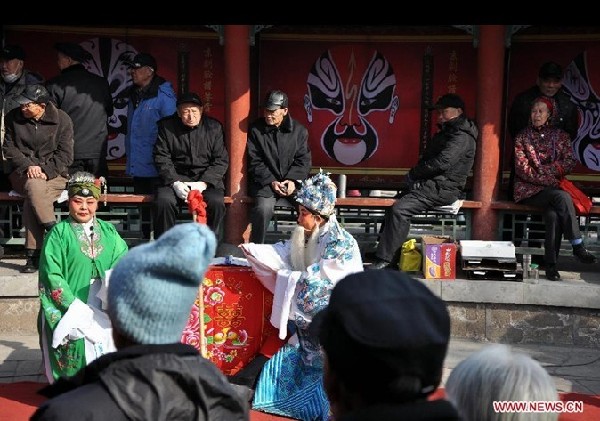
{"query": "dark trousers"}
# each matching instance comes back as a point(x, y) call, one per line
point(166, 209)
point(396, 223)
point(560, 219)
point(261, 214)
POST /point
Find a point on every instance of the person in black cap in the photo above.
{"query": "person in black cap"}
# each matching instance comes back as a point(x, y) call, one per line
point(384, 348)
point(14, 79)
point(39, 146)
point(438, 179)
point(549, 84)
point(279, 159)
point(87, 99)
point(151, 98)
point(190, 154)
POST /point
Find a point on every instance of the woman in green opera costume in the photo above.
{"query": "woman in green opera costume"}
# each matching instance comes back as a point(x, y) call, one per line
point(75, 258)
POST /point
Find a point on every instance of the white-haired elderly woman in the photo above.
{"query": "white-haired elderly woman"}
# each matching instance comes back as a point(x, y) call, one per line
point(497, 373)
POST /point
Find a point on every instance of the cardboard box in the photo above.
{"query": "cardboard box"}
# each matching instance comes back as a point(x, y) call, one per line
point(492, 249)
point(439, 257)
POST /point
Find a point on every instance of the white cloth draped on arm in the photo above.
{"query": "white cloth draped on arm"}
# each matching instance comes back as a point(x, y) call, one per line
point(85, 322)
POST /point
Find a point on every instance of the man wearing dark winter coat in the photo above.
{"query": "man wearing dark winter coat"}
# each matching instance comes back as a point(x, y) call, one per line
point(190, 154)
point(152, 375)
point(279, 159)
point(14, 79)
point(86, 98)
point(39, 147)
point(438, 178)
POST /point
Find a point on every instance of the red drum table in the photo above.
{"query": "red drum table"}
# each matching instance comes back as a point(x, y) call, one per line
point(236, 310)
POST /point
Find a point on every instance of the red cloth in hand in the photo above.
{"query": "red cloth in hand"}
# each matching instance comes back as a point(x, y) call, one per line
point(197, 205)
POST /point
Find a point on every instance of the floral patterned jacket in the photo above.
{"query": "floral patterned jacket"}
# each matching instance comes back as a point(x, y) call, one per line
point(543, 156)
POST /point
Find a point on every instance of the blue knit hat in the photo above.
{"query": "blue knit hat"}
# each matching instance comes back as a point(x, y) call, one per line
point(152, 288)
point(318, 194)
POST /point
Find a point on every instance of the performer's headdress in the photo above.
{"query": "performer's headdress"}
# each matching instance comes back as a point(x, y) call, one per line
point(318, 194)
point(84, 184)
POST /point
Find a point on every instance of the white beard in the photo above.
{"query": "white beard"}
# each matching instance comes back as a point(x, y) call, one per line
point(303, 253)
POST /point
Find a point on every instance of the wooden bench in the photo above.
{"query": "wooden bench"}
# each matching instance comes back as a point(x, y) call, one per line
point(363, 217)
point(515, 215)
point(125, 211)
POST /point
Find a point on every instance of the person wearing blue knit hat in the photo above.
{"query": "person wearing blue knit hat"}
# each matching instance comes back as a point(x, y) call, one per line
point(152, 375)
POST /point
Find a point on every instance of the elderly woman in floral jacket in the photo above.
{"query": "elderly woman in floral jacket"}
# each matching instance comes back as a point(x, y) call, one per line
point(543, 156)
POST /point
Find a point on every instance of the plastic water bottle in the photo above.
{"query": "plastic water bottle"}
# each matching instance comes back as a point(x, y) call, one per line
point(526, 265)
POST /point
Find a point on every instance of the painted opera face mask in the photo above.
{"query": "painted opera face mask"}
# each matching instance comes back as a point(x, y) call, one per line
point(360, 102)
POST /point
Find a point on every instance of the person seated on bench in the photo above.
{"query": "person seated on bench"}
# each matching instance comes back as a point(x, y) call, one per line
point(438, 178)
point(278, 159)
point(543, 156)
point(190, 154)
point(38, 144)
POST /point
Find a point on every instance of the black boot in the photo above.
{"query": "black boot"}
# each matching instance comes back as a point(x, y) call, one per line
point(33, 261)
point(582, 254)
point(551, 273)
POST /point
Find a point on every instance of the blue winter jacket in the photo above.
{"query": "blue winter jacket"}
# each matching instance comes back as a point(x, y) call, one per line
point(154, 102)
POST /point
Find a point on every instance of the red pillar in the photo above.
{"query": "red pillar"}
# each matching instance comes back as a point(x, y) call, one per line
point(237, 108)
point(486, 174)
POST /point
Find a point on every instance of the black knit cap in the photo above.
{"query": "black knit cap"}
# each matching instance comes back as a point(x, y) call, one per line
point(384, 325)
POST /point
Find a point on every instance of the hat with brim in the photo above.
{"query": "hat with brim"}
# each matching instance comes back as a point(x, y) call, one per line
point(276, 100)
point(10, 52)
point(33, 93)
point(189, 98)
point(448, 101)
point(142, 60)
point(551, 70)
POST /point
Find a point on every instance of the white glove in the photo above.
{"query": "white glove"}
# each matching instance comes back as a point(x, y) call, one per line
point(197, 185)
point(181, 190)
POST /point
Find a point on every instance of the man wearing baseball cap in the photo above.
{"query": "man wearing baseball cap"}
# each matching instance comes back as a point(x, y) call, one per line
point(384, 348)
point(14, 79)
point(39, 146)
point(279, 159)
point(87, 99)
point(438, 179)
point(151, 98)
point(190, 154)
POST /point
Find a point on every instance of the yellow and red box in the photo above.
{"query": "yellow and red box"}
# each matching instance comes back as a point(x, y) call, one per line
point(439, 257)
